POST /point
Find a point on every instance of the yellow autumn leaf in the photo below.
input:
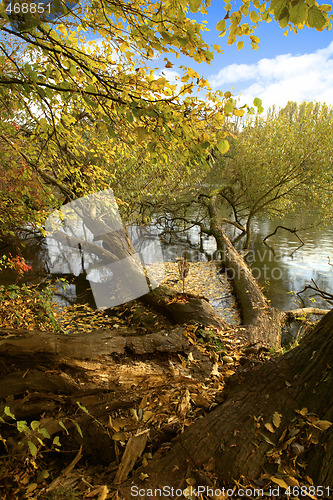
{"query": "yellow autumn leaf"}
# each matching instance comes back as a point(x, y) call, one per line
point(269, 427)
point(119, 436)
point(147, 416)
point(291, 481)
point(62, 29)
point(103, 493)
point(277, 419)
point(238, 112)
point(191, 481)
point(322, 424)
point(325, 7)
point(280, 482)
point(192, 74)
point(223, 146)
point(168, 63)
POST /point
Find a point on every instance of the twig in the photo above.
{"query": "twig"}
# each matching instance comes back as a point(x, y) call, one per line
point(56, 482)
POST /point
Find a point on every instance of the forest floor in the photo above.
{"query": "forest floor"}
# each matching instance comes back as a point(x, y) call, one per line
point(107, 415)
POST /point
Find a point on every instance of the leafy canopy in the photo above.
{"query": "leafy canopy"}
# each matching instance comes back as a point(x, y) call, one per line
point(79, 115)
point(279, 163)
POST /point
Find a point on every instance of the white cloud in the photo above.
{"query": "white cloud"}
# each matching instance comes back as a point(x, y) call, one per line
point(281, 79)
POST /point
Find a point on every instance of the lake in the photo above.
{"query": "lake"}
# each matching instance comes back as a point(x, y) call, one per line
point(281, 268)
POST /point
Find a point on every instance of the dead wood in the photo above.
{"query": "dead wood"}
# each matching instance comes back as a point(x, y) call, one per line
point(183, 308)
point(261, 321)
point(134, 449)
point(301, 313)
point(91, 345)
point(233, 440)
point(59, 481)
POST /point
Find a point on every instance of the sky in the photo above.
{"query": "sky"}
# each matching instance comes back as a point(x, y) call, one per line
point(293, 67)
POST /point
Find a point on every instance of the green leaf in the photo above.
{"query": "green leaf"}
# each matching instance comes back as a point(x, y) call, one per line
point(267, 439)
point(56, 441)
point(44, 432)
point(221, 25)
point(63, 426)
point(33, 449)
point(83, 408)
point(91, 89)
point(34, 425)
point(257, 102)
point(223, 146)
point(9, 413)
point(151, 147)
point(194, 5)
point(316, 19)
point(44, 474)
point(22, 426)
point(277, 6)
point(254, 16)
point(298, 12)
point(78, 428)
point(229, 107)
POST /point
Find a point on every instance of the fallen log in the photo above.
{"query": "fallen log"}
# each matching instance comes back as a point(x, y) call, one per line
point(261, 321)
point(183, 308)
point(92, 344)
point(275, 421)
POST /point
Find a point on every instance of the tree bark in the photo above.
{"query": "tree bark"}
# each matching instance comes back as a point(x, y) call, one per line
point(263, 323)
point(183, 308)
point(232, 441)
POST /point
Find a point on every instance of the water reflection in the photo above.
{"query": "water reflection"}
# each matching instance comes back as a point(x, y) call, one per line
point(282, 267)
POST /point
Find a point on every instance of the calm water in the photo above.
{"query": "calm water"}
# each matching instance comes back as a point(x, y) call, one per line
point(281, 267)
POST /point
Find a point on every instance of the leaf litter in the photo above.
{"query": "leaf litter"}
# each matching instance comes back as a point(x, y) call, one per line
point(168, 394)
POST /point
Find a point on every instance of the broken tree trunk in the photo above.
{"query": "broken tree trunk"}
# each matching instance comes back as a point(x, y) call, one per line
point(276, 412)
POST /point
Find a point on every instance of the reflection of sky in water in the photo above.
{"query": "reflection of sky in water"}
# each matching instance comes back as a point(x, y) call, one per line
point(294, 267)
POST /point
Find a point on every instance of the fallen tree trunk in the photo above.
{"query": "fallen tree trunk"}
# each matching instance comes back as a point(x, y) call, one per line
point(93, 344)
point(262, 322)
point(271, 419)
point(183, 308)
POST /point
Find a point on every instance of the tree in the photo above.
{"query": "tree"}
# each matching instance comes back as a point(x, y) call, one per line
point(266, 429)
point(52, 68)
point(61, 78)
point(278, 164)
